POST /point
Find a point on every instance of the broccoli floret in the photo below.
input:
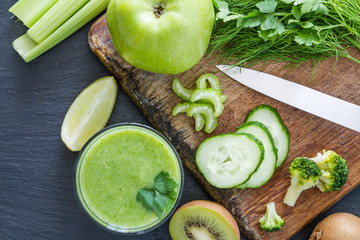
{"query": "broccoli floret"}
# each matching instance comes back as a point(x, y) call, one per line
point(271, 221)
point(334, 171)
point(304, 174)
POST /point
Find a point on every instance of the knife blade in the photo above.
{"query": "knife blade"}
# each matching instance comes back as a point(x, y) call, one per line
point(307, 99)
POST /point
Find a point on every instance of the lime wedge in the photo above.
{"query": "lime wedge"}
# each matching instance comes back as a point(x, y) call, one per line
point(89, 113)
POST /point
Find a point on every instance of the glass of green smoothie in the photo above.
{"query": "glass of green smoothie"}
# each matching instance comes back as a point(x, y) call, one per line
point(123, 170)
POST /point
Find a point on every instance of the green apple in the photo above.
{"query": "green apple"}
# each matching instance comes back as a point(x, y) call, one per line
point(161, 36)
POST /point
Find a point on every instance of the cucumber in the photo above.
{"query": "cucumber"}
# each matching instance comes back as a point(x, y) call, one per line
point(228, 160)
point(268, 166)
point(268, 116)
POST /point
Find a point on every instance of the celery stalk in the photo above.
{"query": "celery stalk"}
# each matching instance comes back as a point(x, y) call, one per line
point(54, 18)
point(24, 44)
point(29, 50)
point(29, 11)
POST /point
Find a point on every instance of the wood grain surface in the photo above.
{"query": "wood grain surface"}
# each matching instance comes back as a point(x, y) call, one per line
point(308, 134)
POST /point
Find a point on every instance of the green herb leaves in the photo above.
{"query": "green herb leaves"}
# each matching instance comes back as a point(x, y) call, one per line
point(146, 197)
point(293, 31)
point(267, 19)
point(307, 37)
point(268, 6)
point(309, 5)
point(161, 196)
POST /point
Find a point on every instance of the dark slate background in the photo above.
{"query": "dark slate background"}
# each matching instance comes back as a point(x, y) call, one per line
point(36, 190)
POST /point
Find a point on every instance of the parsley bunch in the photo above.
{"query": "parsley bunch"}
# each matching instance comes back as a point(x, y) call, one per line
point(161, 196)
point(293, 31)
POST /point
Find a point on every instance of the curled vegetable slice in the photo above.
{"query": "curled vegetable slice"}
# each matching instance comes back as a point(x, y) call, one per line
point(214, 82)
point(181, 91)
point(207, 111)
point(180, 108)
point(199, 121)
point(205, 103)
point(211, 95)
point(198, 117)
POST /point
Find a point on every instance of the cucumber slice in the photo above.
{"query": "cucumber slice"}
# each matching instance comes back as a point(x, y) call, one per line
point(268, 166)
point(268, 116)
point(227, 160)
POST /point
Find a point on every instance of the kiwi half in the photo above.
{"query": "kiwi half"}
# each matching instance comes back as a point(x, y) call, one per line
point(200, 219)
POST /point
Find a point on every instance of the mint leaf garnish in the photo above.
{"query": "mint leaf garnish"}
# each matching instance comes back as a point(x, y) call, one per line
point(146, 197)
point(161, 196)
point(164, 183)
point(161, 203)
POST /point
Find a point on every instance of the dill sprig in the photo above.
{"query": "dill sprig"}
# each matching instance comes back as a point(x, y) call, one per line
point(293, 31)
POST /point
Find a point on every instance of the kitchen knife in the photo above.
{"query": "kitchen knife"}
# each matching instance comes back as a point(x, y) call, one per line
point(296, 95)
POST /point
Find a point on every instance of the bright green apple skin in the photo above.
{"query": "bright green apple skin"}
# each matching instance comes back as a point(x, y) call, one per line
point(171, 43)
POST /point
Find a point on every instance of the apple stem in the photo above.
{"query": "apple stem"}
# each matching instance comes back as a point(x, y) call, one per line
point(159, 10)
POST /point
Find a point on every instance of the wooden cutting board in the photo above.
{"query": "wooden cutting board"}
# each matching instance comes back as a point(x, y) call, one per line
point(308, 134)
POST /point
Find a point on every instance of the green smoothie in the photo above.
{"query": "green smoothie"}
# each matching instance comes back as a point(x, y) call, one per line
point(115, 166)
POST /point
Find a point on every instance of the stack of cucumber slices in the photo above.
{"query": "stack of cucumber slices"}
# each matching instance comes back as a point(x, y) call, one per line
point(248, 157)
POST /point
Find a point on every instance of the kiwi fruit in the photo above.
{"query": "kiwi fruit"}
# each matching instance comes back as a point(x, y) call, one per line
point(337, 226)
point(200, 219)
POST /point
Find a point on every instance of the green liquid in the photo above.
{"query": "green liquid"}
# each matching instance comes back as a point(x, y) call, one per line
point(116, 166)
